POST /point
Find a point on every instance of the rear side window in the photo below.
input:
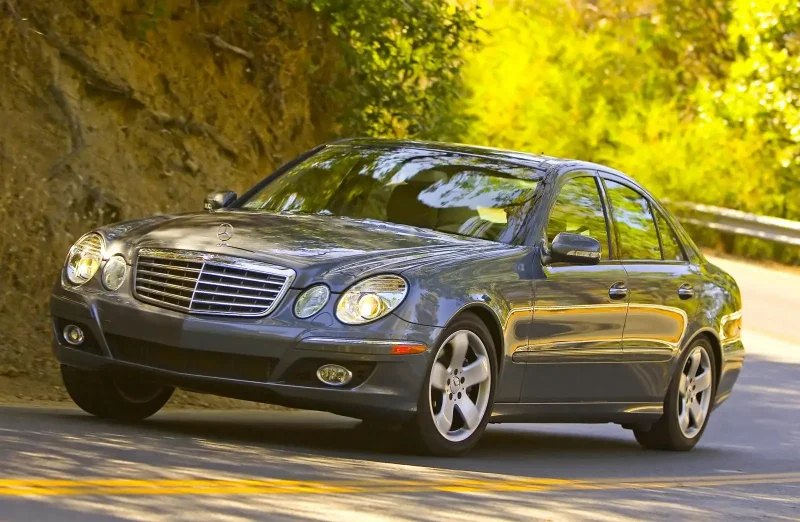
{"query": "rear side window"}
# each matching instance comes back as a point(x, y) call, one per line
point(633, 216)
point(579, 210)
point(669, 241)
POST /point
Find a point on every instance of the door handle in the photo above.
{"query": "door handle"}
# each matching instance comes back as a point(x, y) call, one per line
point(618, 291)
point(686, 291)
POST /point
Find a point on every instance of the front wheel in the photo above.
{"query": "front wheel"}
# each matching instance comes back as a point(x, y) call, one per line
point(457, 395)
point(688, 403)
point(114, 397)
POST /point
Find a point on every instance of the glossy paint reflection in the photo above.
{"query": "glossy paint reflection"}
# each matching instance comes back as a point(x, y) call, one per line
point(576, 334)
point(494, 285)
point(468, 229)
point(658, 316)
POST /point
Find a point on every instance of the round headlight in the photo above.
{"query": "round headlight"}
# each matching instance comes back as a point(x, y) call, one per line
point(370, 306)
point(311, 301)
point(371, 299)
point(84, 258)
point(114, 273)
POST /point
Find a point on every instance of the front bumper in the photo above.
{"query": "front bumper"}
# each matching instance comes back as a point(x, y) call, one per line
point(271, 359)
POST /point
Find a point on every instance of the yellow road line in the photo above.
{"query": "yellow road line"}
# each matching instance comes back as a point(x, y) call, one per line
point(30, 487)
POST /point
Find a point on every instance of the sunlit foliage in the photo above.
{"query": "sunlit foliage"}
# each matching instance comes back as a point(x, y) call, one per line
point(400, 70)
point(698, 99)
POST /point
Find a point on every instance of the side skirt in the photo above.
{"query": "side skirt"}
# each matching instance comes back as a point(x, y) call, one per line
point(578, 412)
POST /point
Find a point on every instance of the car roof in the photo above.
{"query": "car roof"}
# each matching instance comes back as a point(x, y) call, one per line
point(538, 161)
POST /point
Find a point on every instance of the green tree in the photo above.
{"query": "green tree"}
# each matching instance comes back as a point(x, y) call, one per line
point(399, 75)
point(696, 98)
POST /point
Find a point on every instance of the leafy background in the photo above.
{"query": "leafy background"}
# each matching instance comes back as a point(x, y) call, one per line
point(117, 109)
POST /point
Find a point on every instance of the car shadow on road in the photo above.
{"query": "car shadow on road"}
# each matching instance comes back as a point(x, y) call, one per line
point(302, 446)
point(175, 437)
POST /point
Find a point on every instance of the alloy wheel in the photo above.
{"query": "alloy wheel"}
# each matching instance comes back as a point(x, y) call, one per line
point(460, 385)
point(694, 392)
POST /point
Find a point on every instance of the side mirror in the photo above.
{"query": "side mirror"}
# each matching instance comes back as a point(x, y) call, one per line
point(220, 199)
point(575, 249)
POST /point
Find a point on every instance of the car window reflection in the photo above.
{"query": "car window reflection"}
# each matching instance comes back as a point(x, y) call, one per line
point(463, 195)
point(578, 210)
point(669, 241)
point(634, 219)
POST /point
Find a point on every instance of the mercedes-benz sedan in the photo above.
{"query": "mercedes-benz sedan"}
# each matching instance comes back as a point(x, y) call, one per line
point(438, 287)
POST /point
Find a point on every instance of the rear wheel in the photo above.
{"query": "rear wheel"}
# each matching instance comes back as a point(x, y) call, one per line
point(687, 405)
point(456, 400)
point(114, 397)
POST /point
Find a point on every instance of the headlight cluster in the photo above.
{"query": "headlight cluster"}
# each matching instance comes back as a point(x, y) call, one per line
point(114, 273)
point(84, 261)
point(311, 301)
point(371, 299)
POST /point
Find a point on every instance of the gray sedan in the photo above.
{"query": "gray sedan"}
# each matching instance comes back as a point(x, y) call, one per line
point(435, 287)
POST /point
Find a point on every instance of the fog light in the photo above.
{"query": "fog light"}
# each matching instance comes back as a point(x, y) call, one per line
point(73, 335)
point(334, 375)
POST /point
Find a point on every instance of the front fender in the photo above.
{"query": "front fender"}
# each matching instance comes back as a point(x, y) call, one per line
point(497, 285)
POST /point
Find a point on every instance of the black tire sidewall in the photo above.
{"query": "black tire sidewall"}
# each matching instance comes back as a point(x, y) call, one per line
point(95, 392)
point(425, 435)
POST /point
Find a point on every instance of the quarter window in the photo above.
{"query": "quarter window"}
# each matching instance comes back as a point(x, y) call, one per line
point(669, 241)
point(634, 219)
point(579, 210)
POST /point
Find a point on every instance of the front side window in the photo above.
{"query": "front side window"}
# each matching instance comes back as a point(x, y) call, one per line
point(670, 244)
point(633, 216)
point(579, 210)
point(446, 192)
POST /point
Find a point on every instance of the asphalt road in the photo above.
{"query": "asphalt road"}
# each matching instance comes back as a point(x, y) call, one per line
point(60, 464)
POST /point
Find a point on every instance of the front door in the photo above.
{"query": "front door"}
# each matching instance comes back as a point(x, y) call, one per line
point(662, 284)
point(574, 351)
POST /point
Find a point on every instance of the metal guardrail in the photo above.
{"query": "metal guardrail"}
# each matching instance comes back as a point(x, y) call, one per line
point(736, 222)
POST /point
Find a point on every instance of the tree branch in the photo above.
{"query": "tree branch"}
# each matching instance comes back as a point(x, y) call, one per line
point(198, 129)
point(222, 45)
point(95, 76)
point(75, 130)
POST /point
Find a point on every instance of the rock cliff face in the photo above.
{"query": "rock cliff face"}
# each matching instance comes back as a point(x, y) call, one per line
point(115, 109)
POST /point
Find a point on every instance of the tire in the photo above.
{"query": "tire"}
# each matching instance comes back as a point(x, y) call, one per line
point(422, 432)
point(668, 433)
point(122, 398)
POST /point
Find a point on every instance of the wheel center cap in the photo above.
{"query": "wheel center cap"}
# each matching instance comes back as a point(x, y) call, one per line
point(455, 384)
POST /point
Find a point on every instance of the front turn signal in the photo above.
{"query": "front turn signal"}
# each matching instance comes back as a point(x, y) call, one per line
point(408, 349)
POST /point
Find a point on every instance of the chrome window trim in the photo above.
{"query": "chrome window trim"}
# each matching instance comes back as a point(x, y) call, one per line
point(213, 260)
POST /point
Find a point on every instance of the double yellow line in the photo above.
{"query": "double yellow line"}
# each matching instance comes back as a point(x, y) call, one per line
point(29, 487)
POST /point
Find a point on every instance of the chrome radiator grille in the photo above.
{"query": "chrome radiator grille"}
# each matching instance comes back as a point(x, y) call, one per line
point(203, 283)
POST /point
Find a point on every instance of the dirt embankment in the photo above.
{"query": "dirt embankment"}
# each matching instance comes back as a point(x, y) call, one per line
point(116, 109)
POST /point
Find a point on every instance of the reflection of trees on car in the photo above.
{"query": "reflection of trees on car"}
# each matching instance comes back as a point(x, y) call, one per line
point(634, 218)
point(578, 210)
point(467, 196)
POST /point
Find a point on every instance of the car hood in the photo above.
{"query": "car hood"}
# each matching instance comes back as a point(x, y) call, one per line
point(319, 248)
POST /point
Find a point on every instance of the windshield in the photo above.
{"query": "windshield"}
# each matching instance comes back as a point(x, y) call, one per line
point(457, 194)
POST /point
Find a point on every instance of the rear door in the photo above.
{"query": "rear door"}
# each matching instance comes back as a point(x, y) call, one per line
point(574, 350)
point(661, 284)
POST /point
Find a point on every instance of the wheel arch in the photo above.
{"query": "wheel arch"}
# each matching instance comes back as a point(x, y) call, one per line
point(712, 338)
point(492, 323)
